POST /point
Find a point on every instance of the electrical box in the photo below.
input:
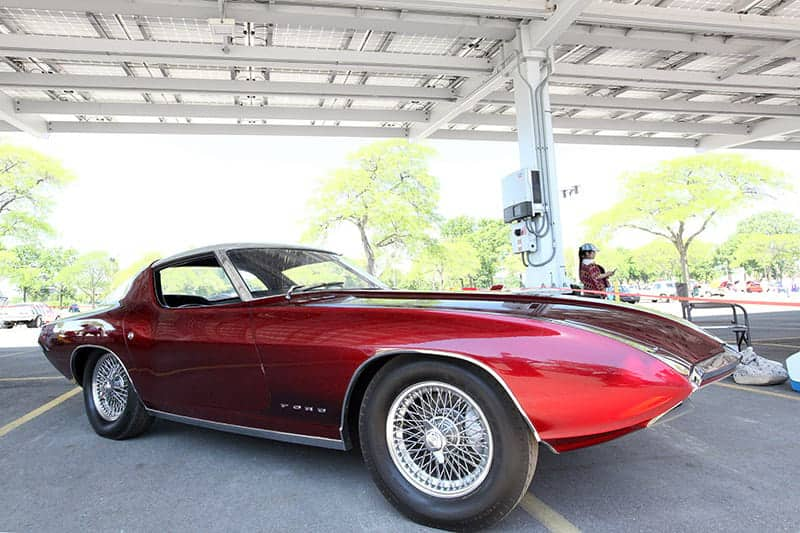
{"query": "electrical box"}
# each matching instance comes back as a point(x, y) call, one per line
point(522, 195)
point(522, 240)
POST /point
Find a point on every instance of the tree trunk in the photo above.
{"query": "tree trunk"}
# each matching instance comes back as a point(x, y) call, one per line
point(682, 254)
point(368, 252)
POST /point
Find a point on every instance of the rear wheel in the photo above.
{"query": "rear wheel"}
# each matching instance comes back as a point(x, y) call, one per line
point(444, 444)
point(112, 405)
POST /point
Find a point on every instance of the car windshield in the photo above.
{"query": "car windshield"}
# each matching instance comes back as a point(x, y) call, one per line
point(272, 271)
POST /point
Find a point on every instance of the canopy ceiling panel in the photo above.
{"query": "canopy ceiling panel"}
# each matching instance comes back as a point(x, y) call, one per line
point(696, 73)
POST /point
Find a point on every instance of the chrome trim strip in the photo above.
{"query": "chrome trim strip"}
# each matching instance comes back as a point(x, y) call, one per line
point(670, 360)
point(232, 246)
point(233, 274)
point(388, 352)
point(104, 348)
point(293, 438)
point(676, 411)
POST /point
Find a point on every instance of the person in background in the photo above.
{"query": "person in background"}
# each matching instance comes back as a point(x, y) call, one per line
point(593, 276)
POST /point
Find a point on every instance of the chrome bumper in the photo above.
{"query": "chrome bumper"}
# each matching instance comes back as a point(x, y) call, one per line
point(714, 368)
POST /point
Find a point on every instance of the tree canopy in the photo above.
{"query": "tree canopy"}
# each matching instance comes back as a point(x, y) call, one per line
point(678, 199)
point(90, 274)
point(386, 192)
point(765, 244)
point(27, 182)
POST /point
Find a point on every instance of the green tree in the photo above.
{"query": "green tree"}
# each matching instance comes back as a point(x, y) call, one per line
point(125, 274)
point(32, 268)
point(490, 239)
point(90, 274)
point(773, 222)
point(28, 180)
point(443, 265)
point(765, 244)
point(386, 192)
point(679, 198)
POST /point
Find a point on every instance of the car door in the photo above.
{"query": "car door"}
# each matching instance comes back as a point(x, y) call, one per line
point(198, 351)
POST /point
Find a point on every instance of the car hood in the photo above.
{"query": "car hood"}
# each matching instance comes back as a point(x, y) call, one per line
point(654, 331)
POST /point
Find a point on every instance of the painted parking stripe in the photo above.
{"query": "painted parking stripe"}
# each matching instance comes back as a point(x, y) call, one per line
point(14, 354)
point(32, 378)
point(776, 345)
point(546, 515)
point(38, 411)
point(757, 391)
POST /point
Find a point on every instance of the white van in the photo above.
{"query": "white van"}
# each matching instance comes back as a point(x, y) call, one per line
point(663, 289)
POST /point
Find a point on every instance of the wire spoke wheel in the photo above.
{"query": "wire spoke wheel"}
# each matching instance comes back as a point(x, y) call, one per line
point(439, 439)
point(109, 388)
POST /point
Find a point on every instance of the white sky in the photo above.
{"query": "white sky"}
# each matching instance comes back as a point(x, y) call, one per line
point(140, 193)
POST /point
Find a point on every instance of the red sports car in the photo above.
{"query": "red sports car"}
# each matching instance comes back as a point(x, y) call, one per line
point(448, 395)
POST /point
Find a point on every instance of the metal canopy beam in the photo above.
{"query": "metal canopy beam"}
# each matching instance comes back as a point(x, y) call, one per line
point(245, 113)
point(23, 80)
point(690, 20)
point(338, 131)
point(672, 106)
point(102, 50)
point(673, 79)
point(400, 19)
point(533, 41)
point(32, 125)
point(239, 112)
point(762, 130)
point(441, 17)
point(654, 40)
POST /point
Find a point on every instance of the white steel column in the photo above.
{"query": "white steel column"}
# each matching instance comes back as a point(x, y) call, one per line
point(536, 151)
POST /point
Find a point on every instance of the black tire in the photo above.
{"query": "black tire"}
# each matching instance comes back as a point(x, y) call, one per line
point(513, 460)
point(35, 323)
point(133, 420)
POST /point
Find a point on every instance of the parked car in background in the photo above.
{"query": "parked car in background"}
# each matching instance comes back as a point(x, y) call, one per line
point(706, 290)
point(49, 314)
point(32, 315)
point(753, 286)
point(664, 289)
point(448, 395)
point(74, 308)
point(627, 294)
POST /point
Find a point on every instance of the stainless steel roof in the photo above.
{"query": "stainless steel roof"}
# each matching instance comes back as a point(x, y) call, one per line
point(693, 73)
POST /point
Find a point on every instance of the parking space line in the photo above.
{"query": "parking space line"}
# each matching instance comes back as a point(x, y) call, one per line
point(38, 411)
point(757, 391)
point(32, 378)
point(776, 345)
point(14, 354)
point(782, 339)
point(546, 515)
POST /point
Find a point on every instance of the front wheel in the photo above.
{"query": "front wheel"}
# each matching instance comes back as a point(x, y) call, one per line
point(36, 322)
point(444, 444)
point(112, 405)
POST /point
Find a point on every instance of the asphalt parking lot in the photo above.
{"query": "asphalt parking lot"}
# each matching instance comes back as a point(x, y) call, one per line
point(729, 465)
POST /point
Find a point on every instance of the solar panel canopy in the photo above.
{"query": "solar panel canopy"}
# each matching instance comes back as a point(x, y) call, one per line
point(704, 74)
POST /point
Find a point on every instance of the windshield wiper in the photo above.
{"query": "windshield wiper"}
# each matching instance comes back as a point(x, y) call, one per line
point(304, 288)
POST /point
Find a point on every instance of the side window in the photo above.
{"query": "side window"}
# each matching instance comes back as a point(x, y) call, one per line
point(254, 284)
point(198, 283)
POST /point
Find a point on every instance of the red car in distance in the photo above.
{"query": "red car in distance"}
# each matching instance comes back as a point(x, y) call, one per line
point(448, 395)
point(753, 286)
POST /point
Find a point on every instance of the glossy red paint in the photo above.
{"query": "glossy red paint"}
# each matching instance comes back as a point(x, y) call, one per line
point(287, 365)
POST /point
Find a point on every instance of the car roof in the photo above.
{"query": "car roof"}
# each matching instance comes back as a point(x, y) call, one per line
point(235, 246)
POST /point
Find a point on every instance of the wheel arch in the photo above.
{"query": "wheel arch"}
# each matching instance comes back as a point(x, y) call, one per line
point(80, 355)
point(369, 368)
